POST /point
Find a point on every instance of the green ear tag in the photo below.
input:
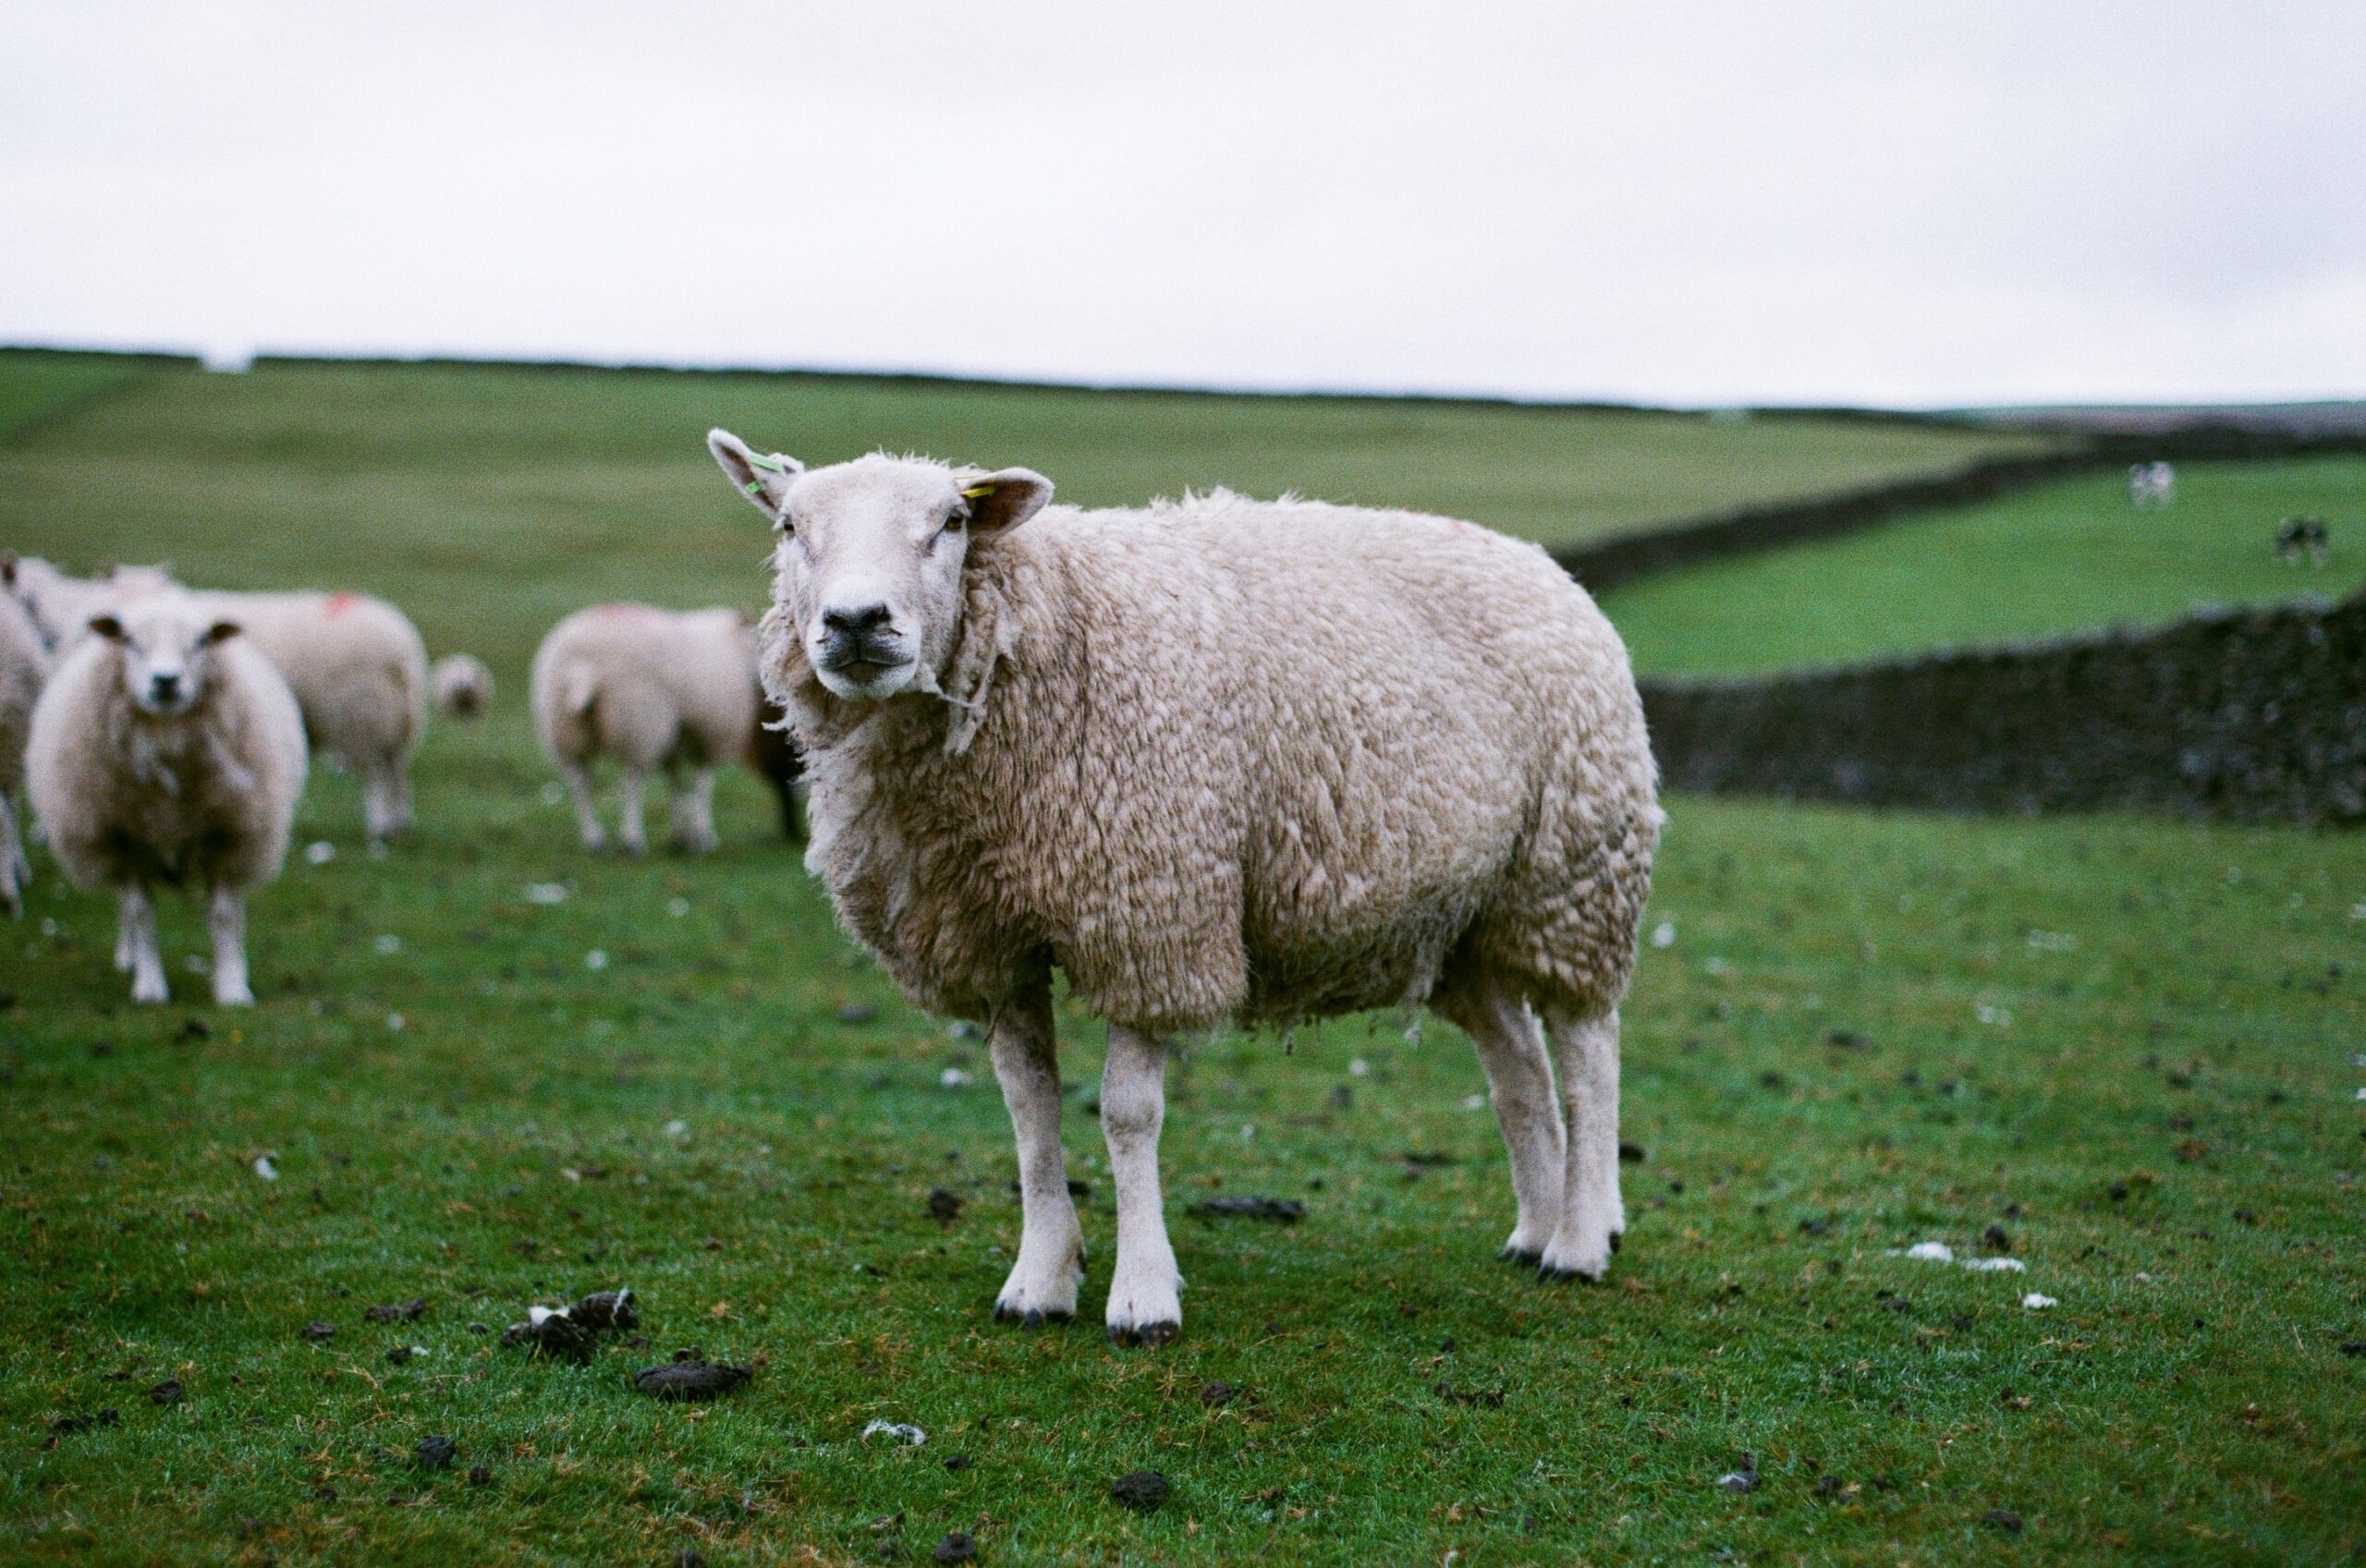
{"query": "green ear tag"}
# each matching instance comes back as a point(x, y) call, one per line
point(754, 487)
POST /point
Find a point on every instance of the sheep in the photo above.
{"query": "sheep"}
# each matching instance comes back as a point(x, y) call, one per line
point(165, 748)
point(2303, 537)
point(2152, 484)
point(771, 753)
point(356, 664)
point(652, 689)
point(24, 661)
point(1221, 761)
point(463, 685)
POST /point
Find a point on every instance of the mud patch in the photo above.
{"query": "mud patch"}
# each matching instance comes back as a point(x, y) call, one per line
point(686, 1379)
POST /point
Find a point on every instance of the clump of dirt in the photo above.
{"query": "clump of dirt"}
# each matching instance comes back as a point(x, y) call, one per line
point(688, 1378)
point(1280, 1210)
point(945, 1205)
point(316, 1329)
point(956, 1547)
point(607, 1311)
point(1141, 1490)
point(1216, 1395)
point(435, 1453)
point(166, 1392)
point(572, 1333)
point(81, 1421)
point(1492, 1399)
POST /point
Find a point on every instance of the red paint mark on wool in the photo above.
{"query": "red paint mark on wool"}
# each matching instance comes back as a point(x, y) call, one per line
point(338, 603)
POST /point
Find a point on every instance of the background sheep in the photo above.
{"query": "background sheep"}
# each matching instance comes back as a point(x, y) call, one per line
point(165, 750)
point(356, 664)
point(1218, 759)
point(23, 661)
point(652, 689)
point(463, 685)
point(771, 753)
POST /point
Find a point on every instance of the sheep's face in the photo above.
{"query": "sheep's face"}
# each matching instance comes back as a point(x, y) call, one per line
point(61, 606)
point(168, 651)
point(868, 568)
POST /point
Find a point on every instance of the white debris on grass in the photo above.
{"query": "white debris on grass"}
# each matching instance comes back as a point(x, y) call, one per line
point(1474, 1102)
point(902, 1431)
point(266, 1167)
point(678, 907)
point(1940, 1252)
point(387, 947)
point(319, 852)
point(1989, 1013)
point(1357, 1067)
point(395, 1021)
point(954, 1077)
point(553, 793)
point(678, 1129)
point(1664, 934)
point(596, 959)
point(2036, 1302)
point(546, 893)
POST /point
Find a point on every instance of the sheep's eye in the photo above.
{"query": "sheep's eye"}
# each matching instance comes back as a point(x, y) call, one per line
point(954, 522)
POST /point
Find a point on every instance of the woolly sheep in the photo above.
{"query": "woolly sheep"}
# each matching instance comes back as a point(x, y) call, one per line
point(1219, 760)
point(771, 753)
point(356, 664)
point(165, 748)
point(23, 664)
point(463, 685)
point(654, 689)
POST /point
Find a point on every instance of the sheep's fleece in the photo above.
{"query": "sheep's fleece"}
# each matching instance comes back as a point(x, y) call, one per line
point(24, 662)
point(1217, 759)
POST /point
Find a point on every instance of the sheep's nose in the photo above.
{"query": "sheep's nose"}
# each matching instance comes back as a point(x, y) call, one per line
point(165, 686)
point(856, 622)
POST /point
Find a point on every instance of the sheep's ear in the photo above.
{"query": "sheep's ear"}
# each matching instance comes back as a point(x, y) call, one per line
point(107, 627)
point(1005, 498)
point(7, 568)
point(220, 631)
point(763, 479)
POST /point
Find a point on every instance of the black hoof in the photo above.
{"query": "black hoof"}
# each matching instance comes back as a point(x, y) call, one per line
point(1034, 1317)
point(1148, 1335)
point(1563, 1276)
point(1527, 1257)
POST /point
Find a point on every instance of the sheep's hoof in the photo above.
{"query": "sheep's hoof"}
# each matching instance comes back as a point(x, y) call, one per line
point(1525, 1257)
point(1031, 1318)
point(1147, 1335)
point(1550, 1274)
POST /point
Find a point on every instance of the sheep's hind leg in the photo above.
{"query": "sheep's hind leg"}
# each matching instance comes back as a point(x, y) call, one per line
point(587, 815)
point(226, 917)
point(1511, 1048)
point(1042, 1284)
point(1585, 1058)
point(377, 805)
point(137, 939)
point(693, 805)
point(14, 870)
point(631, 836)
point(1146, 1289)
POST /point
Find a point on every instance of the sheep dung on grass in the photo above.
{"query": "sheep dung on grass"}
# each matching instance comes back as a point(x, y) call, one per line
point(1216, 759)
point(654, 689)
point(166, 750)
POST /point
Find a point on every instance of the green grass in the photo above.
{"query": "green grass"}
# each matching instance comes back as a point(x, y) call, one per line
point(2049, 1013)
point(36, 385)
point(2064, 557)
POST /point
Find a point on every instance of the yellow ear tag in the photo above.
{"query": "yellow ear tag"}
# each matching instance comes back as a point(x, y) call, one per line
point(976, 491)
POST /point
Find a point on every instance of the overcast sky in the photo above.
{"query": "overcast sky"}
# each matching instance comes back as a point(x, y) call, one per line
point(1698, 203)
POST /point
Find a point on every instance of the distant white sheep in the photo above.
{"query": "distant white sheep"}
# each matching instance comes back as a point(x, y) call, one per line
point(463, 685)
point(24, 661)
point(2151, 485)
point(356, 664)
point(165, 748)
point(1215, 759)
point(653, 689)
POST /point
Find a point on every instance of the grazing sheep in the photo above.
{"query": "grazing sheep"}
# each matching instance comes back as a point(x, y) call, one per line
point(771, 753)
point(652, 689)
point(463, 685)
point(2152, 484)
point(1217, 759)
point(356, 664)
point(165, 750)
point(2304, 538)
point(24, 660)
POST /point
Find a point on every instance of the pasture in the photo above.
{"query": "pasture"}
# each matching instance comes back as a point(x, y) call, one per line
point(2132, 1046)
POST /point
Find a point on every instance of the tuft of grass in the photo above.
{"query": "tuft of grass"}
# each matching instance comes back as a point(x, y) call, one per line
point(2062, 558)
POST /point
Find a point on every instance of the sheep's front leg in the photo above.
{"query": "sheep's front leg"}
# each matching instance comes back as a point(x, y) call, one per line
point(1042, 1284)
point(694, 813)
point(137, 940)
point(587, 815)
point(1585, 1058)
point(377, 804)
point(1145, 1292)
point(226, 917)
point(631, 836)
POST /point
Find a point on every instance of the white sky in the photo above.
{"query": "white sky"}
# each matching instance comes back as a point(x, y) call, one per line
point(1898, 201)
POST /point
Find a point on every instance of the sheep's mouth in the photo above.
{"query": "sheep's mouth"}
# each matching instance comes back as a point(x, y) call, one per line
point(865, 673)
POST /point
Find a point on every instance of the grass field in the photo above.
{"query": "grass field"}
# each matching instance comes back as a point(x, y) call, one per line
point(2061, 558)
point(2132, 1045)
